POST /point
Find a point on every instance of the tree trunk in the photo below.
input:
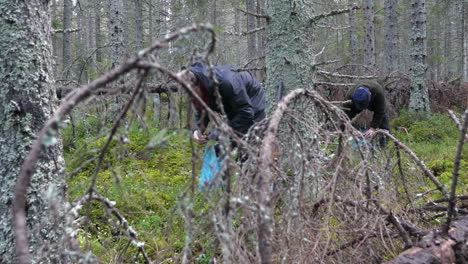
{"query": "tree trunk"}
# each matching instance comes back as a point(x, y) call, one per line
point(286, 63)
point(91, 35)
point(419, 95)
point(238, 55)
point(67, 37)
point(390, 36)
point(369, 34)
point(465, 43)
point(26, 102)
point(260, 41)
point(352, 33)
point(139, 24)
point(251, 24)
point(116, 37)
point(285, 48)
point(80, 41)
point(98, 36)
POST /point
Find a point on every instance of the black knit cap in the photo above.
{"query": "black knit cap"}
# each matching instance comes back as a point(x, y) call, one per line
point(361, 98)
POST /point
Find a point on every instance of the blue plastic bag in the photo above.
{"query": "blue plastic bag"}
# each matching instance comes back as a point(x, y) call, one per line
point(210, 168)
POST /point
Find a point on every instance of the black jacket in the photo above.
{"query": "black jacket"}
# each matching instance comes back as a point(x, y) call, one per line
point(377, 102)
point(243, 97)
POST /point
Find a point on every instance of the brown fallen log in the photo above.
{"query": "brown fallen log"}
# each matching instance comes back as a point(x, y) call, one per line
point(437, 249)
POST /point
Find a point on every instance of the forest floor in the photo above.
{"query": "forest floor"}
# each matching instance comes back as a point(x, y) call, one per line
point(146, 170)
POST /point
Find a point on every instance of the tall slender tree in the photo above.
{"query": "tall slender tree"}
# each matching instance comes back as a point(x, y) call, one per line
point(97, 26)
point(139, 24)
point(116, 37)
point(251, 24)
point(352, 33)
point(390, 52)
point(26, 102)
point(419, 94)
point(67, 35)
point(465, 42)
point(369, 34)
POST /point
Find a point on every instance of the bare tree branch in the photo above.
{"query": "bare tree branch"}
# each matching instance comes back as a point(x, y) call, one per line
point(254, 14)
point(52, 125)
point(451, 213)
point(242, 34)
point(332, 13)
point(345, 76)
point(419, 162)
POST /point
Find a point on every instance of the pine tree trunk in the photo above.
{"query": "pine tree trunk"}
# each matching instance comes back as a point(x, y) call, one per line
point(238, 57)
point(251, 24)
point(352, 33)
point(390, 36)
point(91, 17)
point(286, 62)
point(465, 43)
point(419, 95)
point(139, 24)
point(116, 37)
point(98, 35)
point(369, 34)
point(26, 102)
point(285, 48)
point(80, 40)
point(67, 37)
point(260, 41)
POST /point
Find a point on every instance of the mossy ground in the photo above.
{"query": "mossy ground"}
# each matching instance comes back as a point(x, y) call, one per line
point(146, 169)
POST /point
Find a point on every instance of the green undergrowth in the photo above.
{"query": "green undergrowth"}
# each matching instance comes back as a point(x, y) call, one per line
point(434, 139)
point(144, 171)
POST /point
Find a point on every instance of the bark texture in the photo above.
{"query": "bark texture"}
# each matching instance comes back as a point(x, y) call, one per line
point(465, 41)
point(390, 56)
point(419, 94)
point(369, 34)
point(26, 102)
point(251, 25)
point(435, 249)
point(286, 59)
point(67, 24)
point(139, 24)
point(116, 37)
point(352, 33)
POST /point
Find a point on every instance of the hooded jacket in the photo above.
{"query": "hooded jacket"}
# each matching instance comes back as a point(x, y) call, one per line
point(376, 105)
point(243, 97)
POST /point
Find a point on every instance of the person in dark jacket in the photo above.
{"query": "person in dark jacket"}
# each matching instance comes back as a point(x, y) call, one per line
point(243, 97)
point(368, 95)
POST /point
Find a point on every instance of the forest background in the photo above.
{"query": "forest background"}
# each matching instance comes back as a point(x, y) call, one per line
point(131, 170)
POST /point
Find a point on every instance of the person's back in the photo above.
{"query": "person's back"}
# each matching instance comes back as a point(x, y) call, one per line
point(242, 95)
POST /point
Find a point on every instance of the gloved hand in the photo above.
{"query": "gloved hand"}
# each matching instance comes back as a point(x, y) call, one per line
point(369, 134)
point(199, 138)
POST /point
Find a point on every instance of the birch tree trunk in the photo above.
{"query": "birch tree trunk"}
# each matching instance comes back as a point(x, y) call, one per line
point(369, 34)
point(26, 102)
point(352, 33)
point(419, 95)
point(390, 56)
point(67, 37)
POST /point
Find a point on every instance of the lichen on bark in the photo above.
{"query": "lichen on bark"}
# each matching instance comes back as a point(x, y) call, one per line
point(26, 102)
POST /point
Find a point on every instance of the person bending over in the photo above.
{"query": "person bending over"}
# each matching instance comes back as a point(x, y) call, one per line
point(242, 96)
